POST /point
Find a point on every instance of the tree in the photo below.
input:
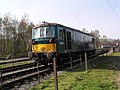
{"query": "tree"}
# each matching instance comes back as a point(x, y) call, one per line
point(1, 37)
point(97, 37)
point(7, 33)
point(14, 35)
point(24, 33)
point(29, 33)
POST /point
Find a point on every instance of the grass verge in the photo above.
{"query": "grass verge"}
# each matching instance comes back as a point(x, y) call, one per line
point(100, 76)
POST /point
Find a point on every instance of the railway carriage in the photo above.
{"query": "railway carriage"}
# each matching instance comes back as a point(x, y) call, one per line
point(51, 39)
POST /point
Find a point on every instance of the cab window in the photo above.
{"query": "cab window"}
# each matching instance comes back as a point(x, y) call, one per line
point(50, 32)
point(61, 34)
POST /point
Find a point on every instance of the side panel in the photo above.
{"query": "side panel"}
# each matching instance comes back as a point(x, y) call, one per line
point(73, 41)
point(81, 42)
point(78, 41)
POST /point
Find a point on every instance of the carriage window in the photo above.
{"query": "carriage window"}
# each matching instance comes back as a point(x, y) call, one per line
point(69, 40)
point(93, 40)
point(61, 34)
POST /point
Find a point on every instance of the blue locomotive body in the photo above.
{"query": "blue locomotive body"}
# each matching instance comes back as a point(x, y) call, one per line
point(50, 39)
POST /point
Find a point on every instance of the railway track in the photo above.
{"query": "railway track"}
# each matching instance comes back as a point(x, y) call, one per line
point(10, 78)
point(14, 60)
point(14, 68)
point(12, 57)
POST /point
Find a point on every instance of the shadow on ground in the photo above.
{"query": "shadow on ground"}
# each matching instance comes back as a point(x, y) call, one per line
point(105, 62)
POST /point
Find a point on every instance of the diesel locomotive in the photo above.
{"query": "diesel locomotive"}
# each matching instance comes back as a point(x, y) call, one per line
point(51, 39)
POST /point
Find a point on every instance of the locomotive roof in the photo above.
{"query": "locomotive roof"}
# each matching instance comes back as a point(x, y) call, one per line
point(56, 24)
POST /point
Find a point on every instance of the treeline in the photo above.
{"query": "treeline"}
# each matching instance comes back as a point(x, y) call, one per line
point(14, 35)
point(102, 40)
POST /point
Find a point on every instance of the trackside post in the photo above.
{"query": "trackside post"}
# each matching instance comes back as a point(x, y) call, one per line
point(80, 60)
point(1, 79)
point(55, 73)
point(86, 61)
point(38, 72)
point(71, 62)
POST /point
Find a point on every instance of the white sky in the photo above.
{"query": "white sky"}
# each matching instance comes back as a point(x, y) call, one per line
point(79, 14)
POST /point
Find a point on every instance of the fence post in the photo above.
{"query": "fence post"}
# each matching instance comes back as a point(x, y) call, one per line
point(80, 60)
point(12, 61)
point(1, 79)
point(55, 73)
point(86, 62)
point(71, 62)
point(38, 72)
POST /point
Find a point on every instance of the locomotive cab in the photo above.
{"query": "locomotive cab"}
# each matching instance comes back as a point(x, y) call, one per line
point(43, 43)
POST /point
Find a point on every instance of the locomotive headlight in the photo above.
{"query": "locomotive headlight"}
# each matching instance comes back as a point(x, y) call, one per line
point(42, 49)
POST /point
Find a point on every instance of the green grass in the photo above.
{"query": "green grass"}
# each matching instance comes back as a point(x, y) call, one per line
point(115, 54)
point(101, 75)
point(91, 80)
point(95, 80)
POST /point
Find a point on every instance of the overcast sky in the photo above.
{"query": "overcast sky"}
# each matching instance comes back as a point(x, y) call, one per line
point(78, 14)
